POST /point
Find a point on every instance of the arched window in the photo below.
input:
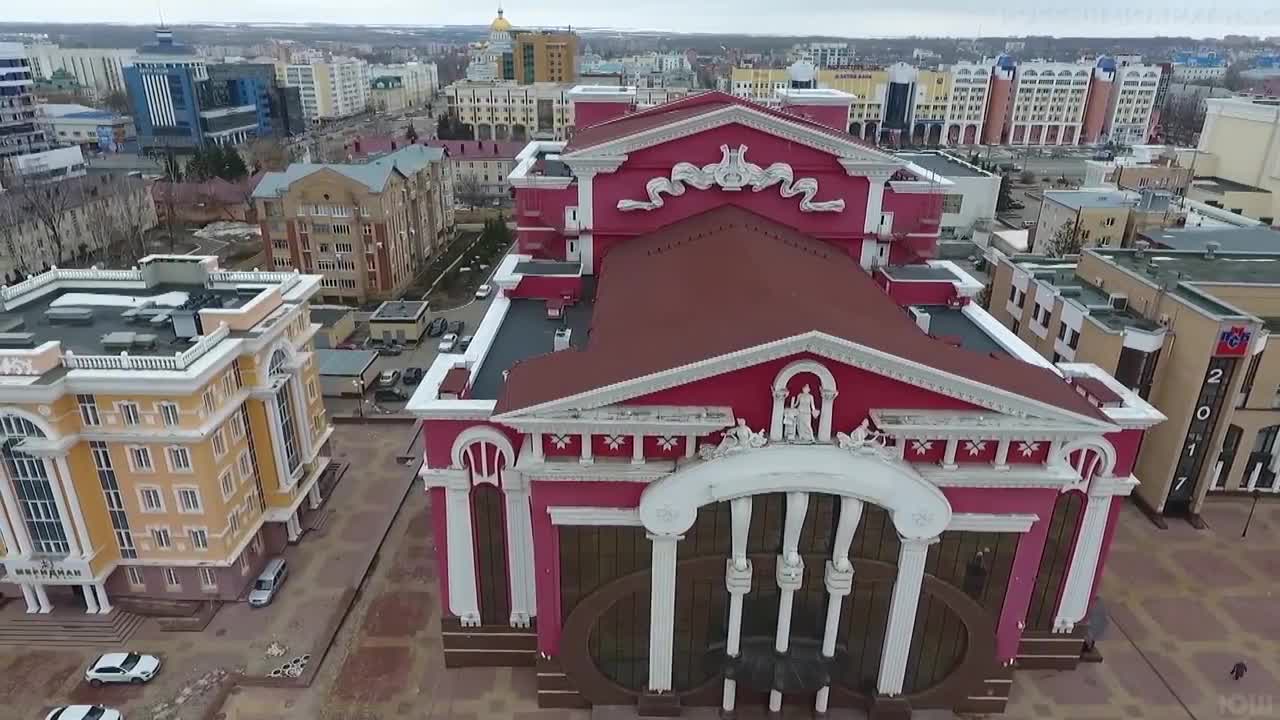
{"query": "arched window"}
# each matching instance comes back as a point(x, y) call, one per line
point(35, 494)
point(284, 408)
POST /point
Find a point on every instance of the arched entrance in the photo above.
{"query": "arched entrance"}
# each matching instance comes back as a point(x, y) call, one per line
point(935, 135)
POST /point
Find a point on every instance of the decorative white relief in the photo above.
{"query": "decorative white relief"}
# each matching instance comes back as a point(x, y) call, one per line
point(1027, 449)
point(798, 417)
point(733, 173)
point(920, 447)
point(975, 447)
point(863, 440)
point(739, 438)
point(559, 441)
point(613, 442)
point(667, 442)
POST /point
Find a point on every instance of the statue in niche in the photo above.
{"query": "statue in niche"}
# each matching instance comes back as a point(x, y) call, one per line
point(804, 410)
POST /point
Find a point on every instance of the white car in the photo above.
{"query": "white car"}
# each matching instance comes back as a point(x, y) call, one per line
point(83, 712)
point(484, 291)
point(122, 668)
point(447, 342)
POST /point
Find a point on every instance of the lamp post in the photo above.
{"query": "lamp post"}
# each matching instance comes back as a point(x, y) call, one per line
point(1256, 495)
point(358, 384)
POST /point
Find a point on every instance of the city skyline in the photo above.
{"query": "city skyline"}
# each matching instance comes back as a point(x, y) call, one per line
point(925, 18)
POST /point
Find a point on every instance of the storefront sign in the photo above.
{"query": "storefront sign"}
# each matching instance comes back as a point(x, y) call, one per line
point(48, 570)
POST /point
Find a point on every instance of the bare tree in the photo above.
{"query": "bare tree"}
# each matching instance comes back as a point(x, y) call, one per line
point(269, 154)
point(117, 221)
point(1182, 118)
point(48, 204)
point(166, 199)
point(468, 190)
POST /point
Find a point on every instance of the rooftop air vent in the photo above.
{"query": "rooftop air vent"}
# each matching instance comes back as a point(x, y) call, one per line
point(1119, 301)
point(17, 340)
point(561, 341)
point(1211, 248)
point(69, 316)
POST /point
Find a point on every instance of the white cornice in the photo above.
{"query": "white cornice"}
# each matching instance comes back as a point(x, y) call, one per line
point(828, 346)
point(611, 516)
point(599, 470)
point(986, 476)
point(985, 522)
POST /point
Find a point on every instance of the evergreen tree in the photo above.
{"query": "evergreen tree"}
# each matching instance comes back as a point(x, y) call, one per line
point(233, 167)
point(198, 166)
point(411, 133)
point(1005, 197)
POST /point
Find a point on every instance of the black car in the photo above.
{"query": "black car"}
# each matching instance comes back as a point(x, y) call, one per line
point(390, 395)
point(413, 375)
point(437, 327)
point(464, 342)
point(456, 327)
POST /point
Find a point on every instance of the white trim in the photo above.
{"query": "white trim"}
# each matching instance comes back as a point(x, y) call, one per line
point(142, 505)
point(984, 522)
point(607, 516)
point(177, 498)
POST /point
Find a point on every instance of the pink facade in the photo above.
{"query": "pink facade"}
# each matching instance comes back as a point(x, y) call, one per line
point(1096, 109)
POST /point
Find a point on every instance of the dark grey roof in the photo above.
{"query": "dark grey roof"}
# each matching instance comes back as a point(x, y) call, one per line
point(328, 315)
point(917, 272)
point(546, 267)
point(1230, 239)
point(943, 164)
point(1211, 183)
point(526, 332)
point(945, 322)
point(398, 311)
point(345, 363)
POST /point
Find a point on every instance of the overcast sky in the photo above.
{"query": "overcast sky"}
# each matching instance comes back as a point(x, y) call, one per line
point(1197, 18)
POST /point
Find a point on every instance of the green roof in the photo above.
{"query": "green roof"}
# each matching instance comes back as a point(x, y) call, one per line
point(373, 174)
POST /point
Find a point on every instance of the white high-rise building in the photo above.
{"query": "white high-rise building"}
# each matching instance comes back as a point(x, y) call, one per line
point(20, 133)
point(100, 70)
point(420, 80)
point(824, 54)
point(330, 89)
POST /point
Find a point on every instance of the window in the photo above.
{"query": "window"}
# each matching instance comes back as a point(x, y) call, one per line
point(188, 500)
point(233, 522)
point(246, 466)
point(140, 459)
point(344, 247)
point(1016, 327)
point(1109, 222)
point(368, 230)
point(135, 576)
point(208, 579)
point(219, 443)
point(210, 402)
point(341, 230)
point(199, 538)
point(952, 203)
point(161, 538)
point(1062, 331)
point(151, 499)
point(171, 579)
point(311, 389)
point(228, 385)
point(228, 483)
point(1250, 375)
point(243, 562)
point(169, 414)
point(179, 459)
point(129, 413)
point(88, 410)
point(1074, 342)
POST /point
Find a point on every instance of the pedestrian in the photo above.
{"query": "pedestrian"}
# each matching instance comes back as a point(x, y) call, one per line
point(1238, 670)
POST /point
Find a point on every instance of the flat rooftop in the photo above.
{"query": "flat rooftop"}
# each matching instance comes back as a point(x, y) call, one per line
point(328, 315)
point(527, 332)
point(918, 272)
point(951, 323)
point(1062, 275)
point(344, 363)
point(547, 267)
point(1076, 199)
point(1258, 238)
point(398, 311)
point(943, 164)
point(1242, 268)
point(136, 321)
point(1218, 185)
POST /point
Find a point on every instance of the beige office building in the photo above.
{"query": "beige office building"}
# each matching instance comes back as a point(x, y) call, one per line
point(330, 89)
point(1240, 144)
point(1186, 326)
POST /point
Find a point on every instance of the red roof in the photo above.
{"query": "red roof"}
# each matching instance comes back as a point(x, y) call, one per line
point(455, 381)
point(215, 190)
point(482, 149)
point(682, 109)
point(729, 280)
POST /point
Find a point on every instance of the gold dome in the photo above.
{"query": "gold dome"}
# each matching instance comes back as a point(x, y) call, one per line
point(500, 24)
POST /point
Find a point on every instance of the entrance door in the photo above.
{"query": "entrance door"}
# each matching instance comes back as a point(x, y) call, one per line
point(1227, 458)
point(1258, 474)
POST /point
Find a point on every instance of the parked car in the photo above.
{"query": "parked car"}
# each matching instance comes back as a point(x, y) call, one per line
point(388, 378)
point(484, 291)
point(83, 712)
point(437, 327)
point(391, 350)
point(1028, 224)
point(268, 582)
point(457, 326)
point(413, 375)
point(122, 668)
point(390, 395)
point(448, 342)
point(465, 342)
point(1017, 205)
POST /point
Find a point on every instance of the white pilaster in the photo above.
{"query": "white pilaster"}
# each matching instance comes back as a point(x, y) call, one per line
point(690, 446)
point(902, 615)
point(42, 599)
point(313, 495)
point(775, 417)
point(1084, 561)
point(949, 455)
point(11, 545)
point(33, 605)
point(662, 611)
point(839, 583)
point(293, 528)
point(637, 449)
point(104, 605)
point(1002, 455)
point(301, 414)
point(284, 479)
point(462, 556)
point(875, 202)
point(585, 457)
point(519, 548)
point(90, 599)
point(737, 580)
point(824, 419)
point(535, 446)
point(64, 518)
point(73, 500)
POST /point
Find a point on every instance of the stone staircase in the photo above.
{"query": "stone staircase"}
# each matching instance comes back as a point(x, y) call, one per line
point(67, 628)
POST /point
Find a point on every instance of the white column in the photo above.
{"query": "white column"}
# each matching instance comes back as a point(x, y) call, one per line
point(302, 416)
point(284, 479)
point(790, 576)
point(461, 548)
point(737, 580)
point(1084, 563)
point(902, 615)
point(63, 515)
point(293, 528)
point(104, 605)
point(42, 599)
point(875, 201)
point(73, 499)
point(662, 611)
point(11, 545)
point(824, 418)
point(1002, 455)
point(839, 583)
point(775, 416)
point(690, 446)
point(519, 548)
point(949, 455)
point(586, 458)
point(90, 599)
point(535, 446)
point(33, 606)
point(313, 495)
point(637, 449)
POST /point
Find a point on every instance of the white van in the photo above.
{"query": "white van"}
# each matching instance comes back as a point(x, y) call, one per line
point(268, 582)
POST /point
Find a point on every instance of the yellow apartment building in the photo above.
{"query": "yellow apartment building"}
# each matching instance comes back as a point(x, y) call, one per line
point(162, 430)
point(544, 56)
point(1187, 327)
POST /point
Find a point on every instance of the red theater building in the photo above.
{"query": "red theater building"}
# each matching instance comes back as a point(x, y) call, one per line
point(729, 437)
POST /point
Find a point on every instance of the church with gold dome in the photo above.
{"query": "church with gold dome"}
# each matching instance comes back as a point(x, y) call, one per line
point(525, 56)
